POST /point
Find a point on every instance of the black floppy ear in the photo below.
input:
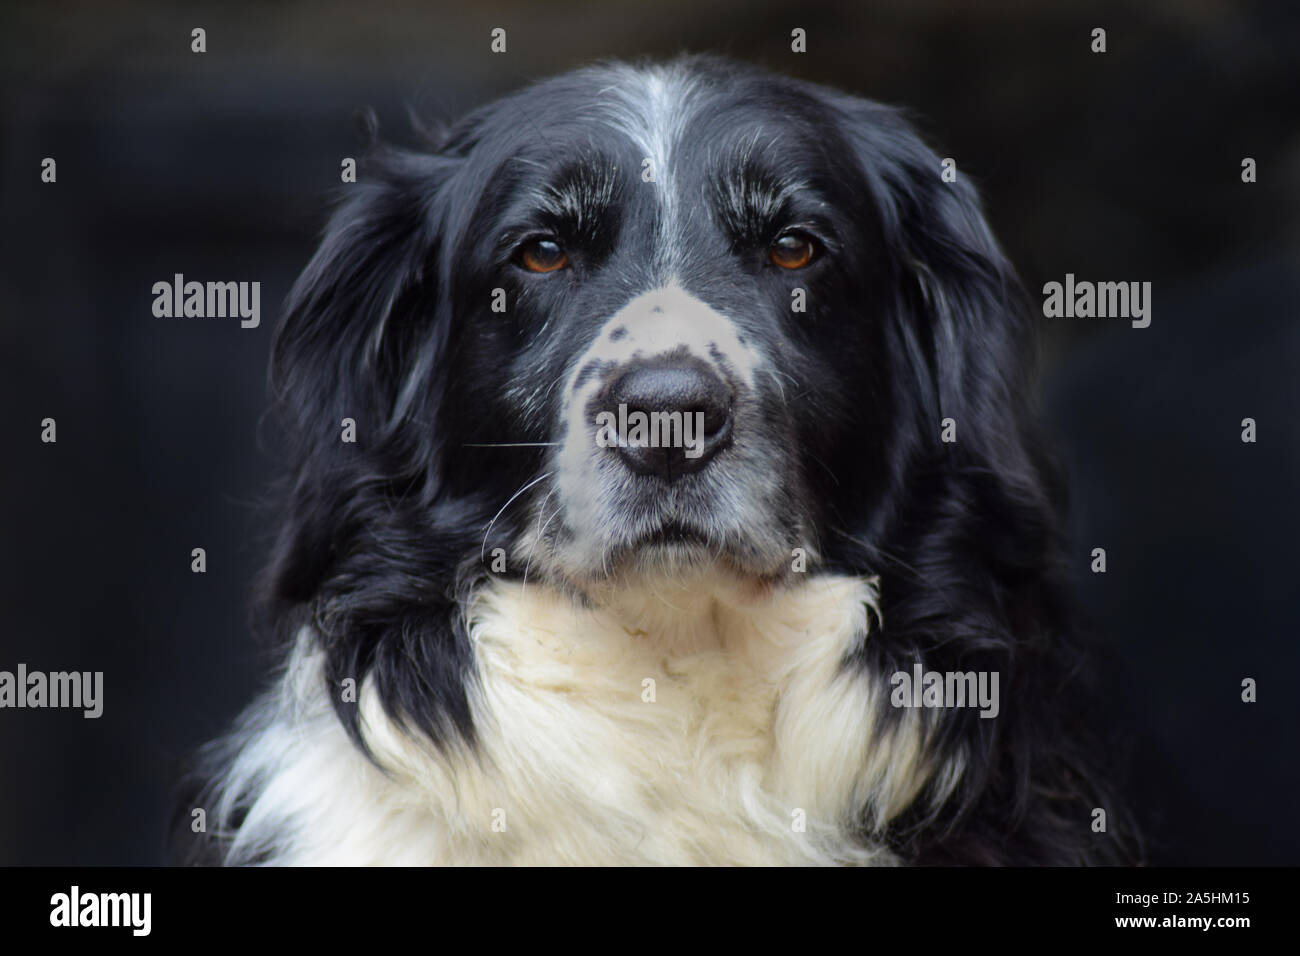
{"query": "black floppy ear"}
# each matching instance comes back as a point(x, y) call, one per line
point(961, 308)
point(362, 327)
point(365, 307)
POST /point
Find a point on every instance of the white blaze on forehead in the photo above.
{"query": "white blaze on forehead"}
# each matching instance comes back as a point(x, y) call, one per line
point(650, 107)
point(665, 320)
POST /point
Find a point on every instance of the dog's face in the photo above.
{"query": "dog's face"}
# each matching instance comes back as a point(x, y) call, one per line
point(700, 247)
point(773, 277)
point(649, 320)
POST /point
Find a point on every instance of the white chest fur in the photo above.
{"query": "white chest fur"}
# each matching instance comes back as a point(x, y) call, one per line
point(677, 726)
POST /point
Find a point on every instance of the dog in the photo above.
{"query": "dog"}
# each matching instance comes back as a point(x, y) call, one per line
point(523, 626)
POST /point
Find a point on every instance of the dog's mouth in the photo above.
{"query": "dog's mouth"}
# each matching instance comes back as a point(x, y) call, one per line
point(670, 543)
point(671, 534)
point(683, 552)
point(677, 541)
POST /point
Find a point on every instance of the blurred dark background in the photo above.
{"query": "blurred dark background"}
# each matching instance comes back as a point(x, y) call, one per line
point(1121, 166)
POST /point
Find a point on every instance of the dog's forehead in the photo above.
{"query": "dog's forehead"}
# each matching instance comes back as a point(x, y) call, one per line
point(660, 114)
point(673, 113)
point(651, 107)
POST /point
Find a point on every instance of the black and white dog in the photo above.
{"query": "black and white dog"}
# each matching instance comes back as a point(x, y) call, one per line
point(519, 629)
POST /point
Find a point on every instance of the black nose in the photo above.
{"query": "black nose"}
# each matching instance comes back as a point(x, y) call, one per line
point(671, 445)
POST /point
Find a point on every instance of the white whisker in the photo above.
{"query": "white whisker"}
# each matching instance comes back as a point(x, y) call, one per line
point(483, 550)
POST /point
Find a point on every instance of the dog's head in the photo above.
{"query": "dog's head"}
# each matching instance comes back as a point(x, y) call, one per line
point(642, 320)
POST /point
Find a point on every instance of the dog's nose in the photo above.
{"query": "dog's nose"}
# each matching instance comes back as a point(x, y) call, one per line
point(685, 411)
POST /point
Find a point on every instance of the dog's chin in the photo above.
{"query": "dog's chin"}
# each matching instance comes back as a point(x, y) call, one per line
point(665, 543)
point(683, 556)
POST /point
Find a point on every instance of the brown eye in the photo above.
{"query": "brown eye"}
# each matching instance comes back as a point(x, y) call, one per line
point(543, 255)
point(794, 250)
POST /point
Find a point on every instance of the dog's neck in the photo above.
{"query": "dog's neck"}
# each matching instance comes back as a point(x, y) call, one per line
point(688, 612)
